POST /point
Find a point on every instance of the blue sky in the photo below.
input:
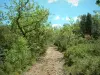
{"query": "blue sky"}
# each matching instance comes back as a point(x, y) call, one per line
point(61, 10)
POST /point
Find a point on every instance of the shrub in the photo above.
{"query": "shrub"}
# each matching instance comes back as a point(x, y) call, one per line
point(83, 59)
point(18, 57)
point(2, 72)
point(64, 37)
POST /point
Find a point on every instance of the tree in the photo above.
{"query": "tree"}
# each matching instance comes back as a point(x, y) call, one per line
point(83, 24)
point(26, 17)
point(86, 24)
point(25, 37)
point(95, 26)
point(29, 20)
point(98, 2)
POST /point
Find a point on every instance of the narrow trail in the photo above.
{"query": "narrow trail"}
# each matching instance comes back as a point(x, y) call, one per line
point(50, 64)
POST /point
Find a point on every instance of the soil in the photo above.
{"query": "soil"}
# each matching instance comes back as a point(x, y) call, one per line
point(50, 64)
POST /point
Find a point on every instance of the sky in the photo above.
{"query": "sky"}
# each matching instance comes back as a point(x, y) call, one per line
point(62, 11)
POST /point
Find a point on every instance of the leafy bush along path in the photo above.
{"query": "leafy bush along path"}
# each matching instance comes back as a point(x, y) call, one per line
point(51, 64)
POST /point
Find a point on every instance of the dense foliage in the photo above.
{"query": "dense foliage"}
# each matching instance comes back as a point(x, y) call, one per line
point(89, 25)
point(98, 2)
point(25, 34)
point(83, 59)
point(80, 44)
point(24, 37)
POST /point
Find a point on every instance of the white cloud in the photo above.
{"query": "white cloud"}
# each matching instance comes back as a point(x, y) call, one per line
point(57, 18)
point(75, 19)
point(51, 1)
point(73, 2)
point(67, 18)
point(56, 25)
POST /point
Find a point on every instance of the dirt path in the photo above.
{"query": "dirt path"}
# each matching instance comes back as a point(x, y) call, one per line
point(51, 64)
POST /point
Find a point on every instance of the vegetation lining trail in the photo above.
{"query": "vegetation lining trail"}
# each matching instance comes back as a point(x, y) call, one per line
point(51, 64)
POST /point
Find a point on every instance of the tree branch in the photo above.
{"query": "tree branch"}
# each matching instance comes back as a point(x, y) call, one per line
point(37, 22)
point(17, 19)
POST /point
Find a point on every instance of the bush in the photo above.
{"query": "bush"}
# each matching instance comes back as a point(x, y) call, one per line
point(83, 59)
point(18, 57)
point(2, 72)
point(64, 37)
